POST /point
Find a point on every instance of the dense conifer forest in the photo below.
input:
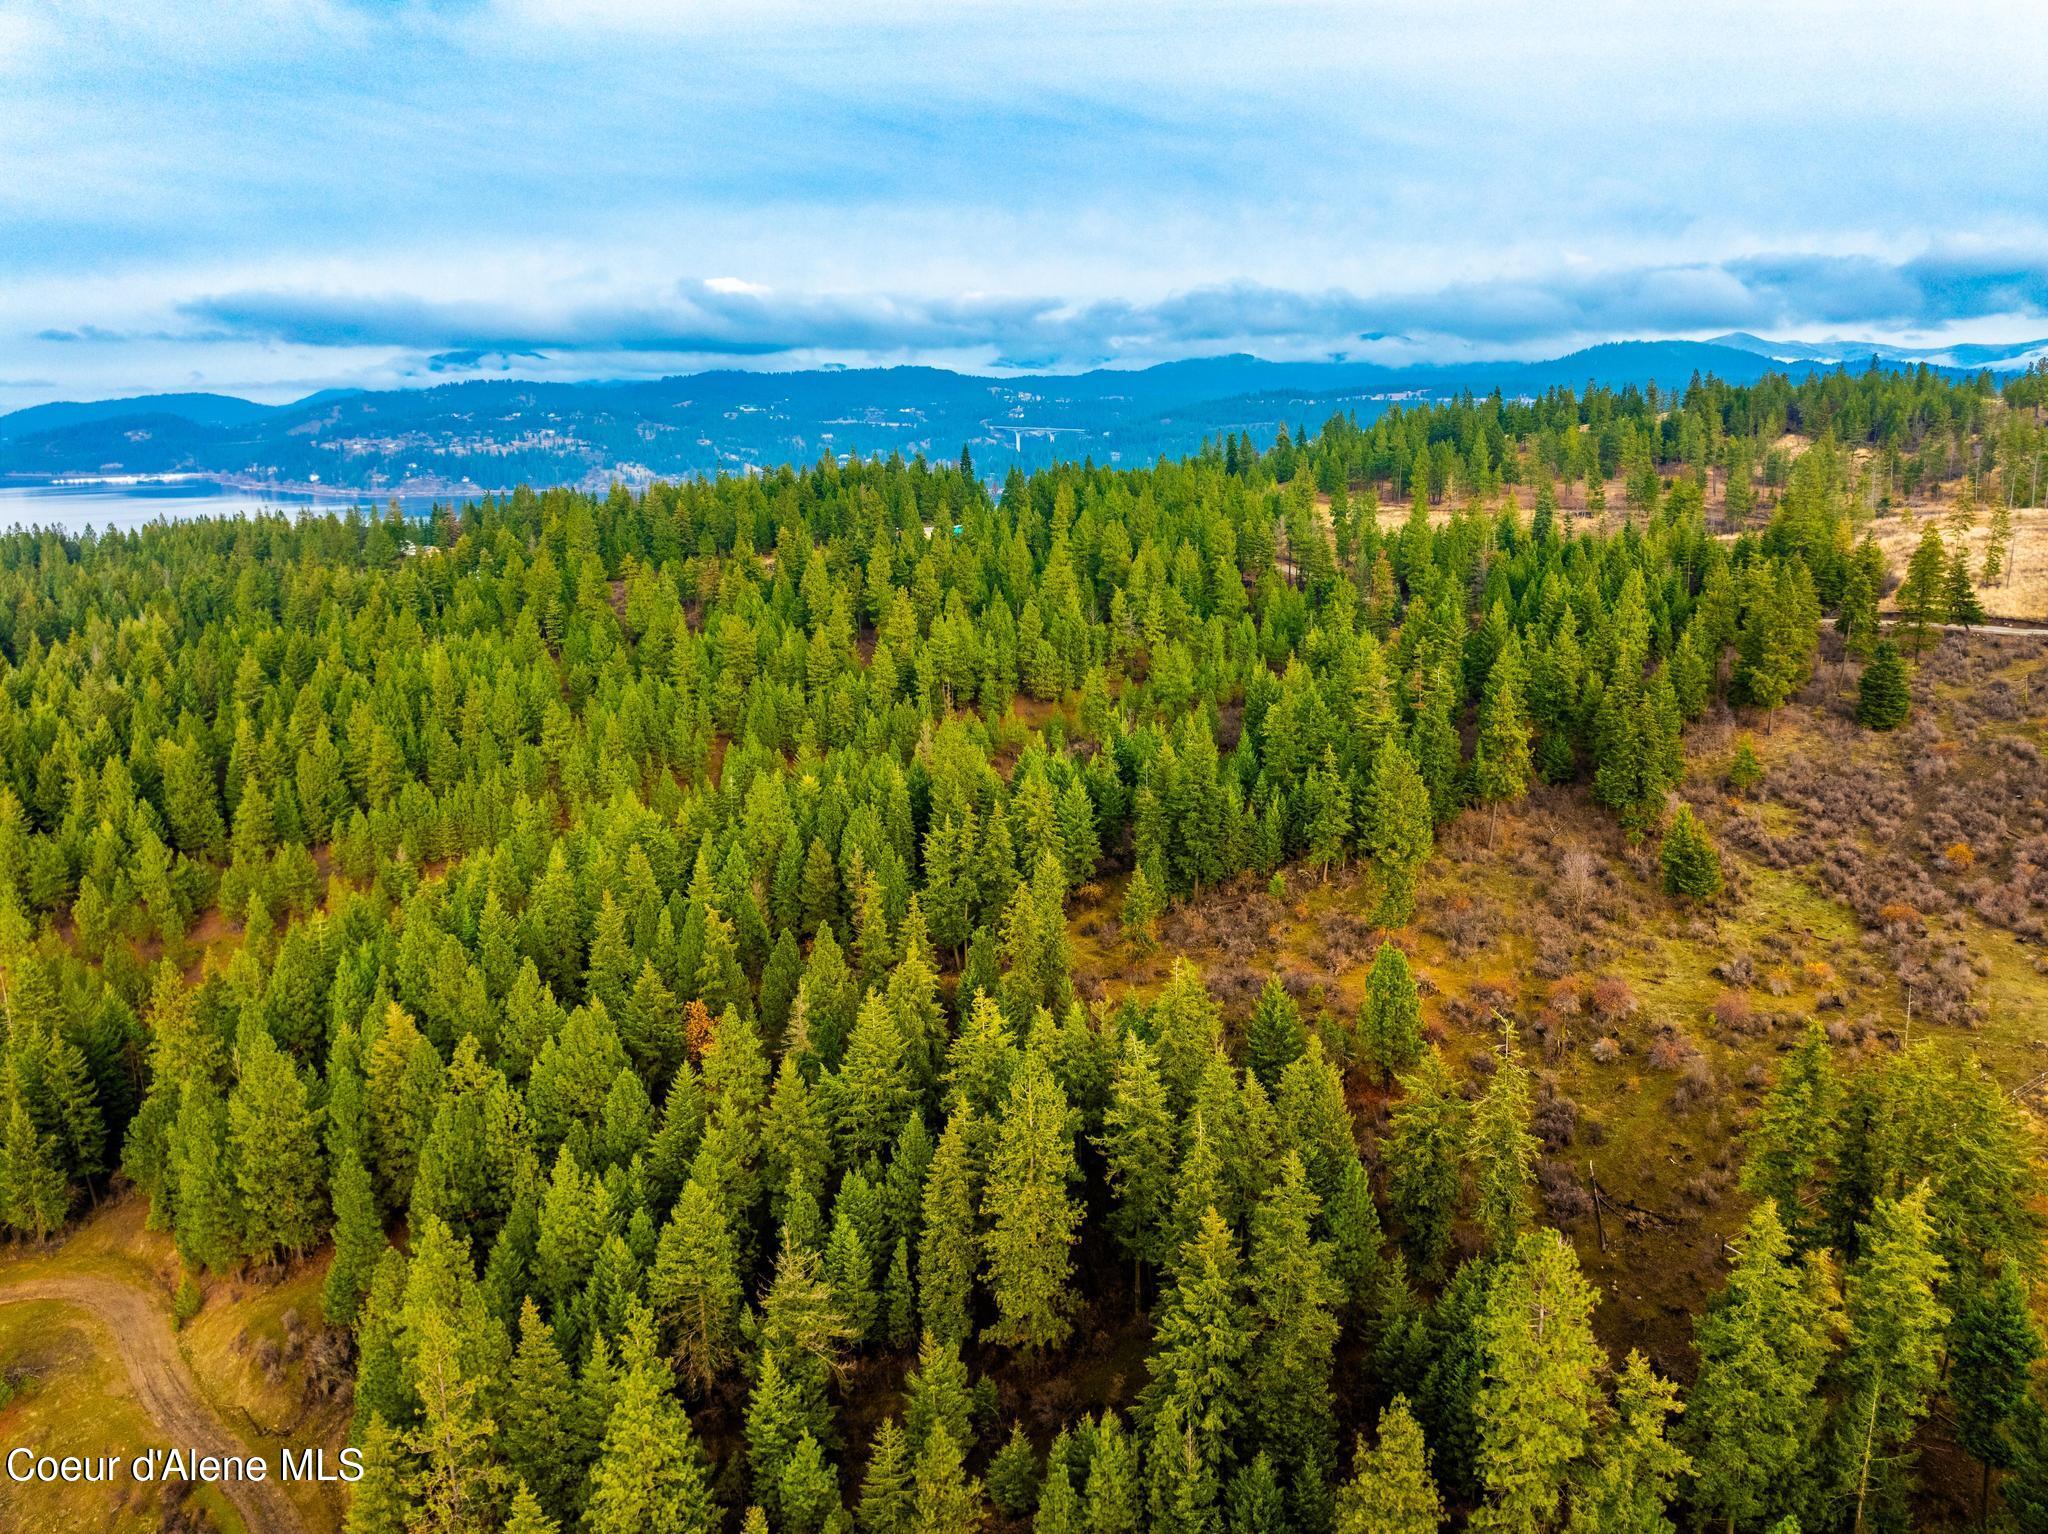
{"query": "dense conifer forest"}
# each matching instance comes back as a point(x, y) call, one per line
point(626, 942)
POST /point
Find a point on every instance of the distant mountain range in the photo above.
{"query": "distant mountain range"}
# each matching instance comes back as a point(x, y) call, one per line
point(465, 438)
point(2006, 358)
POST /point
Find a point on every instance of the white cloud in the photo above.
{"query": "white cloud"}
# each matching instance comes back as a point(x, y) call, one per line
point(508, 168)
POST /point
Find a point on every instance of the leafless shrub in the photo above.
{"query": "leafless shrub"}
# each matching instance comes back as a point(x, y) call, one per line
point(1704, 1191)
point(1490, 998)
point(1737, 969)
point(1696, 1085)
point(1235, 986)
point(330, 1365)
point(1733, 1012)
point(1557, 947)
point(1606, 1050)
point(1555, 1120)
point(1565, 1198)
point(1578, 879)
point(1554, 1032)
point(1465, 925)
point(1612, 999)
point(1670, 1051)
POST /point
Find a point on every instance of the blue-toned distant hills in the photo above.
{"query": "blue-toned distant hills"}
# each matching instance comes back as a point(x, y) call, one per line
point(469, 437)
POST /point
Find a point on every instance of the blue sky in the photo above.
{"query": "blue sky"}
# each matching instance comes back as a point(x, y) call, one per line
point(268, 197)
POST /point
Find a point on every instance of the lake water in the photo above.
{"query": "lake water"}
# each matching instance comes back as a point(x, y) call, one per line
point(75, 507)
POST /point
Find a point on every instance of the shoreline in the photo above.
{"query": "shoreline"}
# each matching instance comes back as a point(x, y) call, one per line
point(249, 484)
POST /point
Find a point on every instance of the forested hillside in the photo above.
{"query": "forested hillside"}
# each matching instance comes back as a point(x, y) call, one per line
point(626, 943)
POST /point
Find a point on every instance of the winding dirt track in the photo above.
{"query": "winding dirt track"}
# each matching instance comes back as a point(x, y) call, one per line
point(164, 1385)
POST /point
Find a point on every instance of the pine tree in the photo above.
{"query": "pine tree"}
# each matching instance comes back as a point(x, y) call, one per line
point(1959, 601)
point(1390, 1027)
point(885, 1491)
point(1110, 1502)
point(1754, 1412)
point(528, 1517)
point(1896, 1326)
point(457, 1482)
point(377, 1503)
point(1502, 1152)
point(1921, 598)
point(851, 1273)
point(1433, 740)
point(402, 1089)
point(1254, 1504)
point(206, 1222)
point(540, 1401)
point(949, 1244)
point(1998, 547)
point(358, 1241)
point(1326, 815)
point(1858, 621)
point(820, 894)
point(1540, 1386)
point(1013, 1474)
point(1273, 1037)
point(1353, 1223)
point(1144, 900)
point(69, 1089)
point(2025, 1492)
point(899, 1298)
point(1202, 1341)
point(1994, 1346)
point(775, 1425)
point(1293, 1314)
point(573, 1216)
point(649, 1477)
point(939, 1396)
point(1059, 1504)
point(34, 1197)
point(1033, 1221)
point(650, 1024)
point(1390, 1490)
point(802, 1328)
point(1884, 697)
point(1423, 1156)
point(676, 1138)
point(873, 945)
point(694, 1289)
point(796, 1137)
point(981, 1061)
point(1744, 770)
point(1500, 758)
point(274, 1144)
point(1039, 960)
point(1137, 1143)
point(1692, 868)
point(1080, 843)
point(1793, 1135)
point(1635, 1468)
point(1187, 1030)
point(1398, 830)
point(808, 1491)
point(944, 1499)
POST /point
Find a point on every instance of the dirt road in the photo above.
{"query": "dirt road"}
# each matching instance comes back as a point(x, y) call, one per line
point(2002, 628)
point(165, 1387)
